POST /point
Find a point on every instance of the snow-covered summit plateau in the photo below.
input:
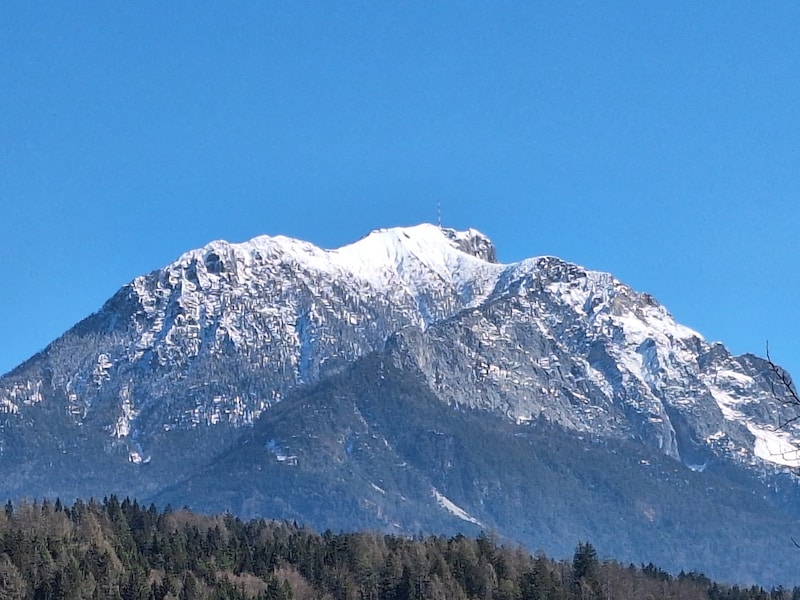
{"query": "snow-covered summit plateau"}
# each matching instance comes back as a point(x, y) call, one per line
point(225, 331)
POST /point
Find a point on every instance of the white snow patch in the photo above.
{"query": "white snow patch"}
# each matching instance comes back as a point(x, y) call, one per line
point(598, 379)
point(378, 489)
point(774, 446)
point(408, 259)
point(8, 407)
point(633, 364)
point(122, 428)
point(135, 457)
point(733, 376)
point(100, 372)
point(727, 404)
point(770, 445)
point(453, 508)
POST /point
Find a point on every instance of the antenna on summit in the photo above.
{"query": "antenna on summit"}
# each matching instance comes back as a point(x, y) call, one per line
point(439, 212)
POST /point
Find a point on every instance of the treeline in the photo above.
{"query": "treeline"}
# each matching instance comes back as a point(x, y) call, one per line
point(124, 551)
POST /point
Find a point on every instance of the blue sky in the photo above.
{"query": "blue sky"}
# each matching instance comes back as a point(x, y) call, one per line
point(659, 141)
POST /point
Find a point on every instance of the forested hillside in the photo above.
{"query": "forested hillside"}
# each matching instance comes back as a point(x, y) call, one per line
point(409, 383)
point(121, 550)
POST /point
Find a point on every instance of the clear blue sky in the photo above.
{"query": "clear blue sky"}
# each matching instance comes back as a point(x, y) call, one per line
point(659, 141)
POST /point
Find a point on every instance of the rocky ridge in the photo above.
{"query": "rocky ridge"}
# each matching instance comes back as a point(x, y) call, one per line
point(222, 333)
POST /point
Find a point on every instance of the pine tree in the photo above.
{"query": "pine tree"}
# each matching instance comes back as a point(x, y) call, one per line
point(584, 561)
point(585, 567)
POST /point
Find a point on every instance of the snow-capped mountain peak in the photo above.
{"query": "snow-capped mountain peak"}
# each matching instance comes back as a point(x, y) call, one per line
point(416, 252)
point(404, 257)
point(409, 371)
point(223, 332)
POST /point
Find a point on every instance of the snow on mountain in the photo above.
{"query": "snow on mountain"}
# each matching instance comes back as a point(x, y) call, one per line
point(223, 332)
point(453, 508)
point(583, 350)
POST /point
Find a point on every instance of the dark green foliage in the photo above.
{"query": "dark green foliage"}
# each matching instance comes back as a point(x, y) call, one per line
point(585, 571)
point(123, 551)
point(584, 561)
point(370, 443)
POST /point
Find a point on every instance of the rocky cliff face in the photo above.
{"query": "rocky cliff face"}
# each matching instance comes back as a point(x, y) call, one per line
point(222, 333)
point(180, 363)
point(583, 350)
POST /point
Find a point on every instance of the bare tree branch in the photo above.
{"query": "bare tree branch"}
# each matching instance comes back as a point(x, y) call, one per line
point(784, 380)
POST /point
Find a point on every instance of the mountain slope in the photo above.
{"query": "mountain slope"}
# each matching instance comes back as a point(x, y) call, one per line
point(224, 332)
point(372, 447)
point(177, 371)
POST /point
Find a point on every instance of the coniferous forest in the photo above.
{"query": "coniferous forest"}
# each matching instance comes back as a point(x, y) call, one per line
point(122, 550)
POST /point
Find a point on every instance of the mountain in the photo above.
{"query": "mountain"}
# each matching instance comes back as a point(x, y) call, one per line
point(411, 382)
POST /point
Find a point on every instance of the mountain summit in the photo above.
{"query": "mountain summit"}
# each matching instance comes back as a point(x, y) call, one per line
point(275, 343)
